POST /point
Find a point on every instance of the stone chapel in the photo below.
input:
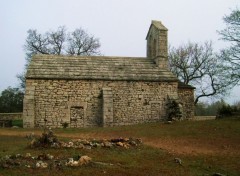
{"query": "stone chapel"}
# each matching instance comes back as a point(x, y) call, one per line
point(88, 91)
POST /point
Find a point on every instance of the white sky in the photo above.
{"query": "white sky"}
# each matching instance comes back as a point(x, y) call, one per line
point(121, 25)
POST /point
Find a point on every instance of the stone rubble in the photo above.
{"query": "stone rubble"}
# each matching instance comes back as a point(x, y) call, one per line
point(46, 160)
point(178, 160)
point(82, 161)
point(90, 144)
point(41, 164)
point(41, 161)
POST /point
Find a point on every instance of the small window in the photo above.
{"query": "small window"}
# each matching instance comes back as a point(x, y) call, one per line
point(154, 48)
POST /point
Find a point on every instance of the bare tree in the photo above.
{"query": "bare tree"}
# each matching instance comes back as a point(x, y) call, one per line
point(56, 40)
point(199, 66)
point(80, 43)
point(59, 42)
point(231, 34)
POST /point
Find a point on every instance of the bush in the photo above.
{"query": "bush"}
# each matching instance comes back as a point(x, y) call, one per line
point(65, 125)
point(225, 111)
point(173, 110)
point(46, 140)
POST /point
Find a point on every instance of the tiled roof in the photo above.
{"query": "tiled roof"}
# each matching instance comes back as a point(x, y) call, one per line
point(96, 68)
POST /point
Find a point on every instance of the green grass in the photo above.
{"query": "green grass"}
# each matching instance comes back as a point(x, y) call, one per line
point(18, 123)
point(144, 160)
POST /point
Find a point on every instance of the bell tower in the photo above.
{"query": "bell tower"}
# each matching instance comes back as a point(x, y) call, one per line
point(157, 45)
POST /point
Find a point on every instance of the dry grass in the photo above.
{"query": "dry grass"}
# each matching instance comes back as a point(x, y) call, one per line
point(205, 147)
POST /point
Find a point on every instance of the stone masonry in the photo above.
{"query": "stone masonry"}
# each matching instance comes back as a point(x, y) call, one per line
point(88, 91)
point(122, 103)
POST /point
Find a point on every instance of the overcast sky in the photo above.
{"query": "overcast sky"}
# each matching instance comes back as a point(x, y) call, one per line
point(121, 25)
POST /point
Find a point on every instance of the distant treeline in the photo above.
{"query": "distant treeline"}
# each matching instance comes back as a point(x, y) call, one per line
point(218, 108)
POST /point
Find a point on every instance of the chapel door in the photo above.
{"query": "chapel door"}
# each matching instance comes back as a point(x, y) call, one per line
point(76, 117)
point(156, 111)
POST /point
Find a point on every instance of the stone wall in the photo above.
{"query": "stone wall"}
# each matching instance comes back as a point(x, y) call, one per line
point(11, 116)
point(200, 118)
point(83, 103)
point(186, 98)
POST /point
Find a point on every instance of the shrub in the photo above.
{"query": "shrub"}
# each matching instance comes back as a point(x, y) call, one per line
point(45, 140)
point(225, 111)
point(173, 110)
point(65, 125)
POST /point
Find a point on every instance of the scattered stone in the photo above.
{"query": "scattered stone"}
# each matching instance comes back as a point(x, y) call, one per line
point(48, 139)
point(41, 164)
point(168, 122)
point(84, 160)
point(88, 147)
point(15, 126)
point(120, 144)
point(133, 143)
point(46, 161)
point(18, 155)
point(50, 157)
point(28, 166)
point(70, 144)
point(107, 144)
point(55, 145)
point(7, 157)
point(81, 146)
point(85, 142)
point(218, 174)
point(71, 162)
point(178, 160)
point(28, 155)
point(57, 163)
point(45, 157)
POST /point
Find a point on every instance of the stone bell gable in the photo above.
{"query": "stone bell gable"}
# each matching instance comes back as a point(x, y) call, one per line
point(88, 91)
point(157, 44)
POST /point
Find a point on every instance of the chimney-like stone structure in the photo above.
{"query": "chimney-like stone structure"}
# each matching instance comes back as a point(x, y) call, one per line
point(157, 45)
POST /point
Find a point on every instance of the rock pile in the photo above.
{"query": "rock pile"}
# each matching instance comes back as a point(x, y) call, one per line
point(82, 161)
point(41, 161)
point(90, 144)
point(48, 139)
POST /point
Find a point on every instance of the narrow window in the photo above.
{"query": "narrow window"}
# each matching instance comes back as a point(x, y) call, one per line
point(154, 48)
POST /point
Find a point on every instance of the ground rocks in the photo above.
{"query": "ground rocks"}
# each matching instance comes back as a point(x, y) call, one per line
point(218, 174)
point(93, 143)
point(41, 164)
point(41, 161)
point(48, 139)
point(82, 161)
point(178, 160)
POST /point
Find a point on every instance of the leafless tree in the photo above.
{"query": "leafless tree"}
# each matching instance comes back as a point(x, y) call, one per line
point(199, 66)
point(231, 34)
point(80, 43)
point(59, 42)
point(56, 40)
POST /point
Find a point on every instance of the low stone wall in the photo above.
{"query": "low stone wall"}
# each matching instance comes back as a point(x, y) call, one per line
point(11, 116)
point(199, 118)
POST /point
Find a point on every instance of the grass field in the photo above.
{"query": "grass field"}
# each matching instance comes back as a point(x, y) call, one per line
point(204, 147)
